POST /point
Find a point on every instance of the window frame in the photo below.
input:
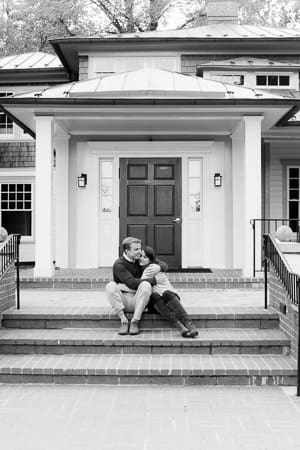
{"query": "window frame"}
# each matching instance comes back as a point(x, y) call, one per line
point(6, 135)
point(22, 180)
point(274, 74)
point(225, 74)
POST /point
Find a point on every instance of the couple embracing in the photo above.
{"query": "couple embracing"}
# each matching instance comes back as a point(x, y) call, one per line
point(140, 281)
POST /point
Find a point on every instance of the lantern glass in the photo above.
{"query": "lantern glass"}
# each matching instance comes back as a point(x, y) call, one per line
point(218, 180)
point(82, 180)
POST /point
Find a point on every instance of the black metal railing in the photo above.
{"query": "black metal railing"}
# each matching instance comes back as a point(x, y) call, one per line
point(290, 280)
point(268, 226)
point(9, 254)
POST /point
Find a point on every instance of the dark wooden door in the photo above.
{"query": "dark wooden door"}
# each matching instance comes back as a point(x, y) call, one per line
point(150, 205)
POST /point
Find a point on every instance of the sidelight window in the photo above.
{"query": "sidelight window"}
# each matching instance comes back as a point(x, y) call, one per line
point(106, 186)
point(194, 185)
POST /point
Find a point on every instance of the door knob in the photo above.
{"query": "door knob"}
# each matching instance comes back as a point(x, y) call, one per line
point(177, 220)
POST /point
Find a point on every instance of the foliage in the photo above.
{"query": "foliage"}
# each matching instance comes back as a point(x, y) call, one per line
point(27, 25)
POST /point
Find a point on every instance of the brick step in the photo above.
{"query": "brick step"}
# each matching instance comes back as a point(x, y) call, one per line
point(230, 317)
point(180, 281)
point(149, 369)
point(103, 341)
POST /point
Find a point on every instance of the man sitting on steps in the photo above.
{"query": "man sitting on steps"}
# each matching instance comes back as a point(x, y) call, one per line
point(129, 292)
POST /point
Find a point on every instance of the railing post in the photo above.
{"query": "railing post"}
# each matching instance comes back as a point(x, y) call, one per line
point(266, 281)
point(18, 270)
point(298, 351)
point(254, 255)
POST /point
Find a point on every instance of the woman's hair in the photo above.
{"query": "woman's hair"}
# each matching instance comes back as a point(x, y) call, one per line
point(150, 253)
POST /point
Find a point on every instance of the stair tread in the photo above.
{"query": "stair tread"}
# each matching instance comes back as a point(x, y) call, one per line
point(135, 365)
point(161, 337)
point(106, 313)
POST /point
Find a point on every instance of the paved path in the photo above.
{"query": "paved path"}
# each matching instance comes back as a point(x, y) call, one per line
point(148, 418)
point(43, 298)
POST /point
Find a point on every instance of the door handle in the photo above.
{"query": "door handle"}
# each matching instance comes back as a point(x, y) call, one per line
point(177, 220)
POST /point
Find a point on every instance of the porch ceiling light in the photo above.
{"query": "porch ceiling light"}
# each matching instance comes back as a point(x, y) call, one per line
point(82, 180)
point(217, 180)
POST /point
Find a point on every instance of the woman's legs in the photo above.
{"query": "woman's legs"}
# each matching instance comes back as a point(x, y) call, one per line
point(166, 313)
point(173, 303)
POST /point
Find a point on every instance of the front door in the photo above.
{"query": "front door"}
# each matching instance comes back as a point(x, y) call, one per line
point(150, 205)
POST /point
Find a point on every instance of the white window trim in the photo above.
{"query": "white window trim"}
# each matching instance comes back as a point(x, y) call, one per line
point(12, 134)
point(22, 178)
point(277, 74)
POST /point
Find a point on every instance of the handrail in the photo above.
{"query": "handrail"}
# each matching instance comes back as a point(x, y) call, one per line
point(290, 280)
point(9, 254)
point(270, 226)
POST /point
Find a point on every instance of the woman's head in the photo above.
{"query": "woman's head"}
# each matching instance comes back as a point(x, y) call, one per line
point(150, 253)
point(148, 256)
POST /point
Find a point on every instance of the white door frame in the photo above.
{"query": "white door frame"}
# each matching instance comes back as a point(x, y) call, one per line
point(116, 150)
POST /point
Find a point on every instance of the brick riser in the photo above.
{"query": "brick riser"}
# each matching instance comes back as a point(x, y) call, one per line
point(218, 380)
point(242, 348)
point(261, 321)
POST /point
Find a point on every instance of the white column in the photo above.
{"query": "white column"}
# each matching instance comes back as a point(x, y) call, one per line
point(61, 196)
point(246, 178)
point(44, 232)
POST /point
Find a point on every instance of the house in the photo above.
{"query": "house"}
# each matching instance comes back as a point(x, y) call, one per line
point(177, 137)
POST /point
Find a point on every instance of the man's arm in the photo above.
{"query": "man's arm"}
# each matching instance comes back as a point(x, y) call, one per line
point(163, 265)
point(124, 276)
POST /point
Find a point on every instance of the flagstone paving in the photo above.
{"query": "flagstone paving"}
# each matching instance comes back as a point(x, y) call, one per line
point(36, 417)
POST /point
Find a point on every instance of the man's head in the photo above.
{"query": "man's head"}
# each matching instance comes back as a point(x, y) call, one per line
point(132, 248)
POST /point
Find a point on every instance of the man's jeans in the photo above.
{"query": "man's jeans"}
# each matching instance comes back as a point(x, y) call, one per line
point(135, 302)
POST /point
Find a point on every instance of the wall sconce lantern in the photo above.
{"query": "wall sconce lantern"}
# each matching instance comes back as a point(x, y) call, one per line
point(82, 180)
point(217, 180)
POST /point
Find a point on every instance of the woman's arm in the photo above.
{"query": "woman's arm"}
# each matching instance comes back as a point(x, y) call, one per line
point(151, 270)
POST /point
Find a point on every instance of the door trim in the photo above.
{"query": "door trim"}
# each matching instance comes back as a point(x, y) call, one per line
point(117, 150)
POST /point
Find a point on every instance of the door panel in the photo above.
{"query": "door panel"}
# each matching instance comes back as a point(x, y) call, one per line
point(150, 201)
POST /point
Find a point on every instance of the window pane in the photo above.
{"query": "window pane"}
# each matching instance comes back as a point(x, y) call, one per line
point(4, 187)
point(12, 188)
point(106, 169)
point(194, 186)
point(194, 168)
point(294, 172)
point(17, 222)
point(28, 187)
point(19, 196)
point(294, 183)
point(261, 80)
point(106, 204)
point(20, 187)
point(4, 196)
point(284, 80)
point(12, 196)
point(11, 205)
point(28, 196)
point(294, 194)
point(194, 202)
point(273, 80)
point(106, 187)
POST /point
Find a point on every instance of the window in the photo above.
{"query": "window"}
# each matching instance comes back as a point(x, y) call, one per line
point(272, 80)
point(6, 124)
point(228, 78)
point(194, 186)
point(293, 198)
point(16, 208)
point(106, 189)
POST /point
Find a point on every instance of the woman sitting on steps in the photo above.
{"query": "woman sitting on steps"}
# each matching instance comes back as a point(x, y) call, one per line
point(165, 298)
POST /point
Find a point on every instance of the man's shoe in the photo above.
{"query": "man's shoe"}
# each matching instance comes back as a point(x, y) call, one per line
point(134, 327)
point(123, 328)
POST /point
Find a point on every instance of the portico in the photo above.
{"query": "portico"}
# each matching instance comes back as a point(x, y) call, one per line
point(89, 127)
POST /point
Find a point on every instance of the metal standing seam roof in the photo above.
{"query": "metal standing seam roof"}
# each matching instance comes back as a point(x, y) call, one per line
point(34, 60)
point(221, 30)
point(148, 83)
point(248, 62)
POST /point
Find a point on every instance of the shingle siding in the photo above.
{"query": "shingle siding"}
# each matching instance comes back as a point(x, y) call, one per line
point(17, 154)
point(83, 67)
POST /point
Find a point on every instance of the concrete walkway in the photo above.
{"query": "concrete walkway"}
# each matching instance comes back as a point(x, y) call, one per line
point(42, 298)
point(148, 418)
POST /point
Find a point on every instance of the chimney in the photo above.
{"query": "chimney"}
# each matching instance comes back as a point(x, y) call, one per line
point(220, 11)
